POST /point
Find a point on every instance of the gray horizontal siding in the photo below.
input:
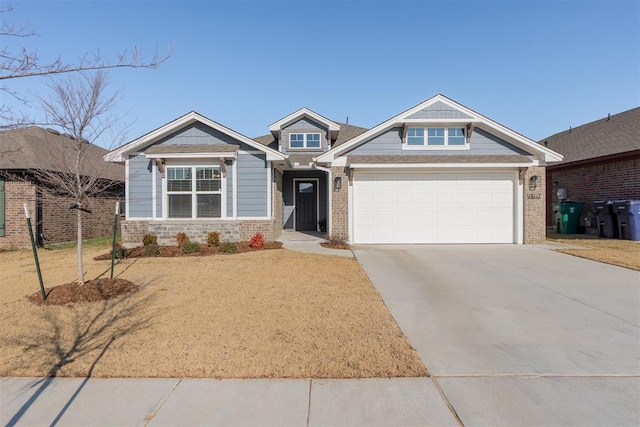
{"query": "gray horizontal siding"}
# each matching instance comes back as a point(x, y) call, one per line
point(199, 133)
point(140, 187)
point(306, 125)
point(439, 110)
point(252, 185)
point(230, 178)
point(390, 143)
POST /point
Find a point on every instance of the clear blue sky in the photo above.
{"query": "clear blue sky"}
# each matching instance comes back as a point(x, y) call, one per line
point(537, 67)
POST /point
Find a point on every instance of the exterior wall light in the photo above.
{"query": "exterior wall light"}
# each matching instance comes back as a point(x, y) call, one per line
point(337, 183)
point(534, 181)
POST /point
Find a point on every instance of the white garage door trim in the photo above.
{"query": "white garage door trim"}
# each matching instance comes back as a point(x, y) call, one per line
point(508, 212)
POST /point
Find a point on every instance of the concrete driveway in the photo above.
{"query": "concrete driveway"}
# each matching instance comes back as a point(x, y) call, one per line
point(517, 334)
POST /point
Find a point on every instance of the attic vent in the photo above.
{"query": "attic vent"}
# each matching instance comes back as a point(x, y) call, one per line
point(69, 136)
point(546, 143)
point(53, 131)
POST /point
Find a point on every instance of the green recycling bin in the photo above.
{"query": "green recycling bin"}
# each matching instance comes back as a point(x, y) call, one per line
point(567, 215)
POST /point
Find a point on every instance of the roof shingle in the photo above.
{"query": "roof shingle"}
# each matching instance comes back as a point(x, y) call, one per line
point(616, 134)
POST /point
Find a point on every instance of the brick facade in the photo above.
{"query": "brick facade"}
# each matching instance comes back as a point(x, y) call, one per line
point(59, 224)
point(230, 230)
point(534, 206)
point(610, 180)
point(51, 218)
point(16, 194)
point(340, 204)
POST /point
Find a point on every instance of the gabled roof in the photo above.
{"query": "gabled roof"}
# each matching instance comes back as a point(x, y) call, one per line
point(347, 132)
point(34, 148)
point(297, 115)
point(149, 138)
point(616, 134)
point(411, 116)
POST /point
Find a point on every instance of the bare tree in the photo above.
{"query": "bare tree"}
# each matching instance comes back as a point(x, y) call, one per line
point(81, 107)
point(17, 62)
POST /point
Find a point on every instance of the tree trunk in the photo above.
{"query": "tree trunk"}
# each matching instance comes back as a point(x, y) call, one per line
point(80, 266)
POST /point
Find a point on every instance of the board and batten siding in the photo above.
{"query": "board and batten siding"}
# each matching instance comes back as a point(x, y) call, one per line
point(196, 134)
point(252, 185)
point(140, 186)
point(439, 110)
point(305, 125)
point(390, 143)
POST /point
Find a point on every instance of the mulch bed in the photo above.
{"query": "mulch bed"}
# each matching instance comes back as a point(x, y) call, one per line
point(332, 245)
point(205, 250)
point(92, 290)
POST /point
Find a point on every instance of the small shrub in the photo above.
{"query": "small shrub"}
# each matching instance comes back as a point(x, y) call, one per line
point(190, 247)
point(228, 247)
point(149, 239)
point(181, 238)
point(213, 239)
point(337, 239)
point(152, 249)
point(121, 251)
point(257, 241)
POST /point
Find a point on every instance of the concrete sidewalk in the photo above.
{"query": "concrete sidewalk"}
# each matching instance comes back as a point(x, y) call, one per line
point(309, 241)
point(260, 402)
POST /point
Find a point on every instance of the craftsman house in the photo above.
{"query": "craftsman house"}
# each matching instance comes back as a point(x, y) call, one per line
point(438, 172)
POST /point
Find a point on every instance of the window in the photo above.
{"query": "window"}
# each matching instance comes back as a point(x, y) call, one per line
point(194, 192)
point(304, 140)
point(435, 137)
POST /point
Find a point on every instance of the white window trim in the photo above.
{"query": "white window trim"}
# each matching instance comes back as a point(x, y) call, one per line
point(426, 147)
point(194, 200)
point(304, 143)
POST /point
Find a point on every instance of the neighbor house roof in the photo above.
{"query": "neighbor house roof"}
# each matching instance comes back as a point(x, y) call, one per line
point(35, 148)
point(616, 134)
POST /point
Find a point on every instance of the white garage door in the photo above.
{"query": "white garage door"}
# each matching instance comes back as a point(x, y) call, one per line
point(420, 207)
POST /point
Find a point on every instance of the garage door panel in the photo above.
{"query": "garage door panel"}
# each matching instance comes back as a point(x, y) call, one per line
point(433, 207)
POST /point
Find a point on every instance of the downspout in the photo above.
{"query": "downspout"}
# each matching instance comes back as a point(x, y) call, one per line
point(329, 194)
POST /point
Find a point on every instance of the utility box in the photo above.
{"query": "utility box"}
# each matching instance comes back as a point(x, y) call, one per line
point(628, 213)
point(567, 215)
point(606, 219)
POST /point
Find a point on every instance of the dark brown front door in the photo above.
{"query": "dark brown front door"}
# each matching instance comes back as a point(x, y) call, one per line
point(306, 208)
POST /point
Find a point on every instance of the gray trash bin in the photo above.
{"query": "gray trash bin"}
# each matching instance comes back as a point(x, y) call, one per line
point(628, 212)
point(607, 220)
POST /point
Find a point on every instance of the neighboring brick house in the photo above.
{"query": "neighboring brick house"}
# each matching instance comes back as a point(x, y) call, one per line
point(24, 152)
point(601, 161)
point(438, 172)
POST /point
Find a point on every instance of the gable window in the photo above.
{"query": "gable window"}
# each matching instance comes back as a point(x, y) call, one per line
point(194, 192)
point(304, 140)
point(435, 137)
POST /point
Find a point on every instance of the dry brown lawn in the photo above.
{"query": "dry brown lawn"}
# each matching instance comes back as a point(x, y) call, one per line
point(267, 314)
point(623, 253)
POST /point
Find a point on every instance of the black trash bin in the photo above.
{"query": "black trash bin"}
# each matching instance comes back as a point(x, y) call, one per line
point(607, 220)
point(628, 212)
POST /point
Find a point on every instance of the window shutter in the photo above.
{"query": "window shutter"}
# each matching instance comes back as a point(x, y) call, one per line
point(1, 207)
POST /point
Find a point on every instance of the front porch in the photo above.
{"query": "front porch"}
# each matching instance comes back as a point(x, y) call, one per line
point(304, 195)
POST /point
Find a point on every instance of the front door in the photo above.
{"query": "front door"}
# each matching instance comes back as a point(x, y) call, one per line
point(306, 205)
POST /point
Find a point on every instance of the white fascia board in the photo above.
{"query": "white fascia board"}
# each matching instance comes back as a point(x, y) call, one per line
point(478, 119)
point(433, 122)
point(275, 127)
point(179, 123)
point(191, 156)
point(438, 165)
